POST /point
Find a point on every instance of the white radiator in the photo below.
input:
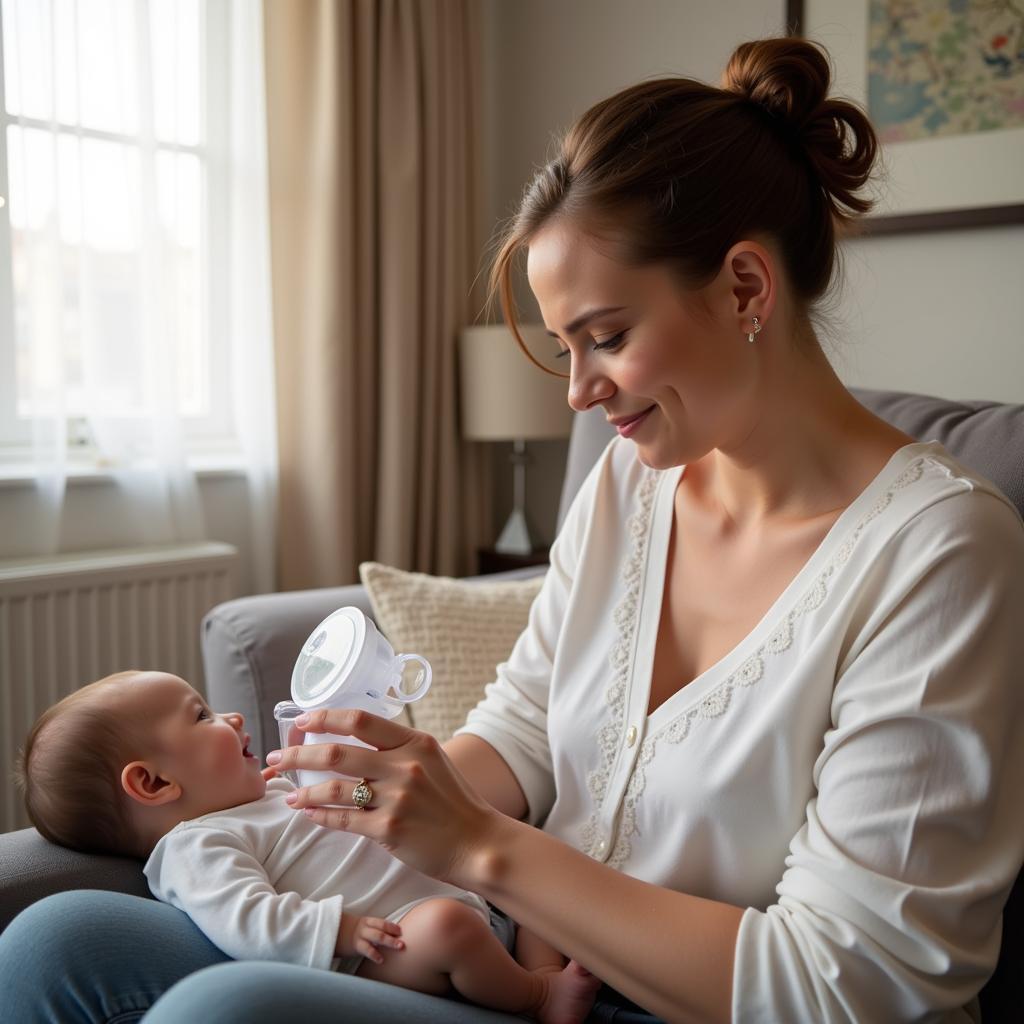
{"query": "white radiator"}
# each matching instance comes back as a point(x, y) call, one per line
point(70, 619)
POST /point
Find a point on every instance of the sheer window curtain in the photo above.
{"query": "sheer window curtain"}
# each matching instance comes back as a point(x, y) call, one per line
point(136, 148)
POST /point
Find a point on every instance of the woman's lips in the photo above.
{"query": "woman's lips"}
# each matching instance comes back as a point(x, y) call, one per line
point(625, 429)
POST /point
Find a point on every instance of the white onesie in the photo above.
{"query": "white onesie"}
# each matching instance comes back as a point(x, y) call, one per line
point(264, 882)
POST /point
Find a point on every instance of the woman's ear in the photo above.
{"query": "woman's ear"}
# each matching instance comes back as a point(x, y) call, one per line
point(751, 280)
point(144, 784)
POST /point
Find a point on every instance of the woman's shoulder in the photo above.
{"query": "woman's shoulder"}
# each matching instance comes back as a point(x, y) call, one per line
point(948, 508)
point(954, 492)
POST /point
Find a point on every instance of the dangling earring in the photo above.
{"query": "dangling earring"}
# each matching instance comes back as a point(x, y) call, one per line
point(757, 328)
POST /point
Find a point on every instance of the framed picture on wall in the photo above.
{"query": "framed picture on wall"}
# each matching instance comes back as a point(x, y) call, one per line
point(943, 84)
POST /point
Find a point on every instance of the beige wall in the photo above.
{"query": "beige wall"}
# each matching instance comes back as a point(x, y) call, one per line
point(940, 313)
point(935, 313)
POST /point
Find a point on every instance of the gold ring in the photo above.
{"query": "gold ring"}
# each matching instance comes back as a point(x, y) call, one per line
point(362, 794)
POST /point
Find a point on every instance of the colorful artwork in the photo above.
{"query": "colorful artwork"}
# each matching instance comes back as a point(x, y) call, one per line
point(945, 67)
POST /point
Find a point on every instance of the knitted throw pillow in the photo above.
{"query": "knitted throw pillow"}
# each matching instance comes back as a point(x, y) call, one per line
point(463, 629)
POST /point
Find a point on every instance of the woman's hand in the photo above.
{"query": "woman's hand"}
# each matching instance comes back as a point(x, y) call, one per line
point(422, 809)
point(295, 736)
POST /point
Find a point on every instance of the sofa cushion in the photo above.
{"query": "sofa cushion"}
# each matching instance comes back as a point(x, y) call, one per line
point(464, 629)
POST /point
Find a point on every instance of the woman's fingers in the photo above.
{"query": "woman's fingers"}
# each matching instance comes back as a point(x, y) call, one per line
point(345, 819)
point(344, 792)
point(421, 808)
point(379, 732)
point(325, 757)
point(384, 828)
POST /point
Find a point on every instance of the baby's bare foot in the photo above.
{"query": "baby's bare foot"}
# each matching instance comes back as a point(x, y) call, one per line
point(571, 994)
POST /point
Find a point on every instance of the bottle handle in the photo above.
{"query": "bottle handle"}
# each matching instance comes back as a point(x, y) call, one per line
point(399, 695)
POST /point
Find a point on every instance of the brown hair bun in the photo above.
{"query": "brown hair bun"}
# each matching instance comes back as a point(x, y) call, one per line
point(789, 79)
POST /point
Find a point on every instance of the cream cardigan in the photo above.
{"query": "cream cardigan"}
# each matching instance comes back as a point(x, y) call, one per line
point(850, 772)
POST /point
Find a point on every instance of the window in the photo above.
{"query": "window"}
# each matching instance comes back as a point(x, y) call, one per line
point(115, 213)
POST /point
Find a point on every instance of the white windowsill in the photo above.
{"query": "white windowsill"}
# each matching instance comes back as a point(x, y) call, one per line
point(206, 465)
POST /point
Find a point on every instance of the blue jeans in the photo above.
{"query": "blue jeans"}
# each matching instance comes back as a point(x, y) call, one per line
point(90, 957)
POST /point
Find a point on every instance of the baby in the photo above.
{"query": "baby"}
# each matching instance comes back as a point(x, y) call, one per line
point(137, 764)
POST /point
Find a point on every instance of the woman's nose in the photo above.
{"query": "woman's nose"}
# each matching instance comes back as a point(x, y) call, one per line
point(587, 387)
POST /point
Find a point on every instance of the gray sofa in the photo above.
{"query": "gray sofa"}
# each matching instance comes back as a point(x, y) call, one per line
point(249, 645)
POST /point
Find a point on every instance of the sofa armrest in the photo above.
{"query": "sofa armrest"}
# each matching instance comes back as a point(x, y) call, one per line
point(31, 868)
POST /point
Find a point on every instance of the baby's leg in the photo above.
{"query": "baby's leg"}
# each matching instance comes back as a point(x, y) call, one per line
point(420, 966)
point(533, 953)
point(448, 944)
point(575, 986)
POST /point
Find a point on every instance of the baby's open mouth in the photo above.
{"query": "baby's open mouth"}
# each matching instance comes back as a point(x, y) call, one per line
point(245, 751)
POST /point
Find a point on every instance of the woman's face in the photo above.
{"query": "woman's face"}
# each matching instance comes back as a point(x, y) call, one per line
point(653, 355)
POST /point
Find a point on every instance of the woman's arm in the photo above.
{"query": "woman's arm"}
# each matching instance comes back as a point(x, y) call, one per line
point(486, 771)
point(509, 867)
point(669, 952)
point(519, 863)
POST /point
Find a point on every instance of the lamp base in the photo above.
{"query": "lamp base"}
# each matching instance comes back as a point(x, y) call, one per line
point(515, 536)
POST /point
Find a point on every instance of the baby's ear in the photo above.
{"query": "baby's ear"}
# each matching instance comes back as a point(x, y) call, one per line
point(141, 781)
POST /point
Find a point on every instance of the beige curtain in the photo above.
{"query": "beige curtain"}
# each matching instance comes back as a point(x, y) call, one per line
point(373, 133)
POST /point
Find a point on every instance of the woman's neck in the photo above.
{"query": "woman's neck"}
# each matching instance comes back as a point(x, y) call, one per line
point(812, 448)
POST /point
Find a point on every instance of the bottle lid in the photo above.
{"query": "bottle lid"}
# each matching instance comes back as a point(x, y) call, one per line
point(331, 659)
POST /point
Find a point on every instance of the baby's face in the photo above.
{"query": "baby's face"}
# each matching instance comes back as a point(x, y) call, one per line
point(205, 753)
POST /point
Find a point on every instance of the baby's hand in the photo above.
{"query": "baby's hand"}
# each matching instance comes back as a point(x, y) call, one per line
point(362, 935)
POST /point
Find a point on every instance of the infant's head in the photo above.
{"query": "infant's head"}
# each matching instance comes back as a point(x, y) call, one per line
point(118, 763)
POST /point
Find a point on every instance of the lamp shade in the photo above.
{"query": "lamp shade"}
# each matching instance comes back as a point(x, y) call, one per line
point(504, 396)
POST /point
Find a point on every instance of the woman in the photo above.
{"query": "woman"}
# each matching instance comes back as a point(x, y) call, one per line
point(764, 711)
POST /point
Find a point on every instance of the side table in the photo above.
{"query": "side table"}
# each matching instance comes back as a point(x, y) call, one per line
point(488, 560)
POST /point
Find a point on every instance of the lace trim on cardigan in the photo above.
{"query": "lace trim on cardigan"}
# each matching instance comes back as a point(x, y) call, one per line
point(719, 700)
point(610, 737)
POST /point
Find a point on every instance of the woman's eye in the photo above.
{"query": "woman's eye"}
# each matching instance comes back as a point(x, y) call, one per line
point(612, 342)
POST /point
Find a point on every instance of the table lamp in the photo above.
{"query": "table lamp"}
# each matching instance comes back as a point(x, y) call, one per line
point(506, 398)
